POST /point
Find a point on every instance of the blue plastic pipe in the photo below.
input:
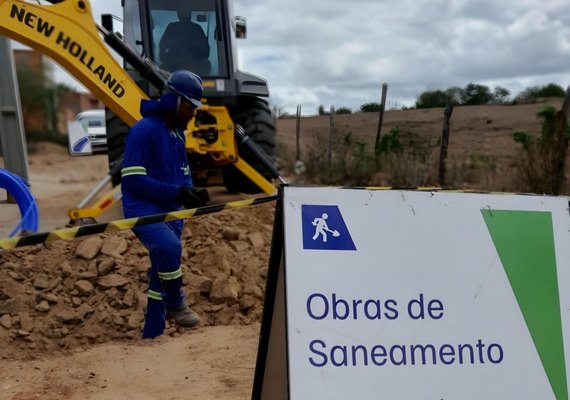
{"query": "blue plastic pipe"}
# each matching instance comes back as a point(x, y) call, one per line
point(17, 187)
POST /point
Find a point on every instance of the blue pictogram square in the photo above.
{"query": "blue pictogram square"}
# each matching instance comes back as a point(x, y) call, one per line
point(324, 229)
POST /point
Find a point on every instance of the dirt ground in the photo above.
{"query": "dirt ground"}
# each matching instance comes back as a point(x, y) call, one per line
point(71, 311)
point(207, 363)
point(97, 352)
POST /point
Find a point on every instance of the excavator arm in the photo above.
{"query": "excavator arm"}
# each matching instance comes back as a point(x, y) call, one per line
point(65, 31)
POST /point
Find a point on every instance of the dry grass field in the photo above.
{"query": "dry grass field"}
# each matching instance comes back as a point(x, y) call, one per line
point(482, 154)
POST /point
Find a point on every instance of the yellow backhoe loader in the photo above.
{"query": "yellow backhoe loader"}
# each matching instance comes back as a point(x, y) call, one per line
point(65, 31)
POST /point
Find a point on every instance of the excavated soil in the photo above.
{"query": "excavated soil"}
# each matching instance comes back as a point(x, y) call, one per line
point(65, 294)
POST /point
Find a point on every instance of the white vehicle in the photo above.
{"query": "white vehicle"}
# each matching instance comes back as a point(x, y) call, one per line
point(87, 134)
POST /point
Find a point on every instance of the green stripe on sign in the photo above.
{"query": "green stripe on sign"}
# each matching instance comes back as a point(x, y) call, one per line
point(525, 243)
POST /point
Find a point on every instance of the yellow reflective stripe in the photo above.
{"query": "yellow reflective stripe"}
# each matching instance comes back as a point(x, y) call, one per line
point(154, 295)
point(133, 171)
point(167, 276)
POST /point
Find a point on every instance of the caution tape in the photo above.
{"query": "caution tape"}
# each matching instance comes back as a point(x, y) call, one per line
point(123, 224)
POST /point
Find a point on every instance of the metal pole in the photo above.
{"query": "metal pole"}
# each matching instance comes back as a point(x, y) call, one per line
point(12, 138)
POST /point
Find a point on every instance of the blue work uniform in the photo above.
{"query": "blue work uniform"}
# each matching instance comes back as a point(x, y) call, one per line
point(155, 166)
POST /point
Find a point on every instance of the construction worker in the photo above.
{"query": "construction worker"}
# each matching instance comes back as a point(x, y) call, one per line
point(156, 179)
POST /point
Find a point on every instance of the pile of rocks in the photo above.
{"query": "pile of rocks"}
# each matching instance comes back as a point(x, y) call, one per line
point(65, 294)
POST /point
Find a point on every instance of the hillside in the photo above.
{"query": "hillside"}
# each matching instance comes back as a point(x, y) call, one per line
point(481, 155)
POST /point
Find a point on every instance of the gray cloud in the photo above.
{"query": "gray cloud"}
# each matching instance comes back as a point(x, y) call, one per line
point(339, 52)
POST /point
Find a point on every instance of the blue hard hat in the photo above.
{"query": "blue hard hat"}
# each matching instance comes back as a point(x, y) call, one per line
point(187, 85)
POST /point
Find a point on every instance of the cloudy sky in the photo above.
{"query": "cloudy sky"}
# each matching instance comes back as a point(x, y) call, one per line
point(339, 52)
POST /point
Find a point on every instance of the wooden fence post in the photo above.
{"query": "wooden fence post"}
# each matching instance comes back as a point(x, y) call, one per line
point(299, 166)
point(298, 133)
point(380, 117)
point(561, 146)
point(444, 141)
point(331, 129)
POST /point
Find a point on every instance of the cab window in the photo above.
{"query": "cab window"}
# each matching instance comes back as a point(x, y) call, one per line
point(185, 35)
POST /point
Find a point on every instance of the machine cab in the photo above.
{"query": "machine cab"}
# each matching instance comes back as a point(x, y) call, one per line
point(197, 35)
point(184, 34)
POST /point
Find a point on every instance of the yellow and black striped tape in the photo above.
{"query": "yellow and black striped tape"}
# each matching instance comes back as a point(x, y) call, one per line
point(123, 224)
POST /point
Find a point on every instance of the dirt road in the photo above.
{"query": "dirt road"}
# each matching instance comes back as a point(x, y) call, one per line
point(207, 363)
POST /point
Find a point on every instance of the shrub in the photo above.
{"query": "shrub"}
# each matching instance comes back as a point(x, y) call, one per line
point(390, 143)
point(402, 160)
point(541, 163)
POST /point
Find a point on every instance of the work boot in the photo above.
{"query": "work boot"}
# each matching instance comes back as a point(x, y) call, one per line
point(184, 317)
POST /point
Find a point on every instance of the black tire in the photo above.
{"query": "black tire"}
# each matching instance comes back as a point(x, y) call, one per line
point(254, 115)
point(117, 132)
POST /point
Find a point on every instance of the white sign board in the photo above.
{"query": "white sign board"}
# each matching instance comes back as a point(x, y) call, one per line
point(426, 295)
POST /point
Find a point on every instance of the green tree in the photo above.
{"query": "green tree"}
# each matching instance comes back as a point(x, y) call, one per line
point(370, 107)
point(550, 90)
point(476, 94)
point(35, 89)
point(431, 99)
point(39, 96)
point(343, 110)
point(455, 93)
point(500, 95)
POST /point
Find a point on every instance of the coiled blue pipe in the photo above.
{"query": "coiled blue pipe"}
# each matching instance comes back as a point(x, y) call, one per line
point(17, 187)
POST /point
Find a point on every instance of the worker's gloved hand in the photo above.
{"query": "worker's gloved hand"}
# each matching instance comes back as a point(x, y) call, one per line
point(192, 198)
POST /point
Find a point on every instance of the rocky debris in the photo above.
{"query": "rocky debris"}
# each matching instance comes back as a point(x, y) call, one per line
point(65, 294)
point(89, 247)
